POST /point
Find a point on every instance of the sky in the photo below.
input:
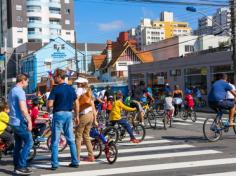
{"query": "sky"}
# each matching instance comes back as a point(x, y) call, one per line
point(97, 22)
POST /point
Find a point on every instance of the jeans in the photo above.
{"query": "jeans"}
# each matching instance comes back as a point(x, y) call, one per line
point(23, 144)
point(124, 123)
point(62, 120)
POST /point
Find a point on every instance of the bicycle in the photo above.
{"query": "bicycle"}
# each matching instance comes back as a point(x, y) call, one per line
point(215, 126)
point(189, 112)
point(110, 149)
point(167, 118)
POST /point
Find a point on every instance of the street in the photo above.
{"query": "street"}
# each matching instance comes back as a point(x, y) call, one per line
point(177, 151)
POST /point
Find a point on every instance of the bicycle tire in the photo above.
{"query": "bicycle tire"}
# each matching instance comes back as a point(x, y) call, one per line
point(214, 125)
point(139, 132)
point(0, 155)
point(111, 153)
point(234, 127)
point(61, 148)
point(111, 133)
point(152, 120)
point(97, 148)
point(32, 154)
point(184, 115)
point(193, 116)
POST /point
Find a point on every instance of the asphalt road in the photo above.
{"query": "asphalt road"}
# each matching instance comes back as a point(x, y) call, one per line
point(177, 151)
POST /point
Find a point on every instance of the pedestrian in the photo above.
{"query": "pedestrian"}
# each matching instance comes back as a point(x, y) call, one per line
point(62, 98)
point(21, 124)
point(87, 116)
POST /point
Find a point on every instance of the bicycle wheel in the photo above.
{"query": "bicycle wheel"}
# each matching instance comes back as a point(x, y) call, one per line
point(111, 153)
point(0, 155)
point(139, 132)
point(234, 127)
point(152, 120)
point(193, 116)
point(111, 133)
point(212, 129)
point(184, 115)
point(62, 143)
point(32, 154)
point(97, 148)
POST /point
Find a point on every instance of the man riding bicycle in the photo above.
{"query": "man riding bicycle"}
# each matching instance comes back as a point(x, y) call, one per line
point(217, 97)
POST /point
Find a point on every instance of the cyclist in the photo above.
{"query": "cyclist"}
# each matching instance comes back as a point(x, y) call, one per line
point(217, 97)
point(115, 116)
point(178, 98)
point(189, 102)
point(168, 103)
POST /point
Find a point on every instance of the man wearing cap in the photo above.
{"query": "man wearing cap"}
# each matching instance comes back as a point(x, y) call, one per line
point(87, 115)
point(62, 98)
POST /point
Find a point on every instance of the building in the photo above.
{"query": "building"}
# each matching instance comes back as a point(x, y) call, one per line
point(218, 24)
point(180, 46)
point(222, 17)
point(39, 21)
point(56, 54)
point(152, 31)
point(3, 21)
point(112, 64)
point(196, 70)
point(204, 26)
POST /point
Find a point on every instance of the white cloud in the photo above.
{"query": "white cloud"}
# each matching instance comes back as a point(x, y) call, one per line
point(111, 26)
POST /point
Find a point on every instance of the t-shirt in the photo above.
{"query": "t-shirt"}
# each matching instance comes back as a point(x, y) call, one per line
point(79, 92)
point(34, 115)
point(168, 103)
point(229, 95)
point(189, 100)
point(63, 96)
point(4, 120)
point(219, 90)
point(16, 95)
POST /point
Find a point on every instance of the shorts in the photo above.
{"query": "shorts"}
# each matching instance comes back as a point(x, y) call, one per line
point(219, 105)
point(137, 105)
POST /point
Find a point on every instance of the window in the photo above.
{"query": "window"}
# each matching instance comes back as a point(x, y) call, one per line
point(67, 11)
point(19, 29)
point(63, 46)
point(67, 33)
point(19, 40)
point(67, 1)
point(67, 21)
point(189, 48)
point(18, 7)
point(19, 18)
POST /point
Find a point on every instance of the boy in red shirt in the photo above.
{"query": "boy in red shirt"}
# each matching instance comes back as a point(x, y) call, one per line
point(189, 100)
point(38, 127)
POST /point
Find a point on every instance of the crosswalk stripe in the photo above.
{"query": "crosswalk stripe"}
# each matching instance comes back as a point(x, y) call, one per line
point(146, 142)
point(219, 174)
point(139, 157)
point(148, 168)
point(176, 123)
point(120, 151)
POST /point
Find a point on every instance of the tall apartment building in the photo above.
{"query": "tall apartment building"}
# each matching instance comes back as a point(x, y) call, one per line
point(39, 21)
point(152, 31)
point(204, 26)
point(210, 25)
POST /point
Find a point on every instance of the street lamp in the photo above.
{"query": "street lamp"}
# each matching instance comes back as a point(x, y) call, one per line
point(193, 9)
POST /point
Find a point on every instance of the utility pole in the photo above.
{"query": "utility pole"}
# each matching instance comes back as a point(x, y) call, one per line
point(76, 57)
point(5, 52)
point(233, 31)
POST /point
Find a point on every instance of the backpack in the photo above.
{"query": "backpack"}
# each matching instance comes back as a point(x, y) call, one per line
point(85, 100)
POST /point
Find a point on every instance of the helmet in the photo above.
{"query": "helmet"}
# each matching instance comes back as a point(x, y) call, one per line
point(188, 91)
point(35, 101)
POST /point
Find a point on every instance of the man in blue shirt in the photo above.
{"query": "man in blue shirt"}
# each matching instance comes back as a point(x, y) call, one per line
point(217, 97)
point(20, 121)
point(62, 98)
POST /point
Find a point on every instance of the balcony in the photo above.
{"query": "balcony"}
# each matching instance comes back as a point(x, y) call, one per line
point(34, 3)
point(54, 25)
point(34, 24)
point(34, 35)
point(54, 3)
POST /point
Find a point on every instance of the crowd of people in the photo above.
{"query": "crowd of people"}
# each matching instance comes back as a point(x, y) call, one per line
point(75, 112)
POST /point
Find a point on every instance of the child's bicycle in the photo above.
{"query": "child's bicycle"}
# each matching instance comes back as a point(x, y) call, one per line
point(167, 118)
point(110, 148)
point(189, 112)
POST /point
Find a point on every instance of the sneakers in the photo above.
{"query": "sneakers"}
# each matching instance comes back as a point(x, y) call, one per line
point(23, 171)
point(73, 165)
point(54, 168)
point(135, 141)
point(89, 159)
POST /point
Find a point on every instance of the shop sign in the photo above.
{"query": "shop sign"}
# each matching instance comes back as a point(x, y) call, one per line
point(58, 55)
point(160, 80)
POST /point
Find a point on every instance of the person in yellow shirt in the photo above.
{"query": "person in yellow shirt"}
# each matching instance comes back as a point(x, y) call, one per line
point(5, 133)
point(115, 116)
